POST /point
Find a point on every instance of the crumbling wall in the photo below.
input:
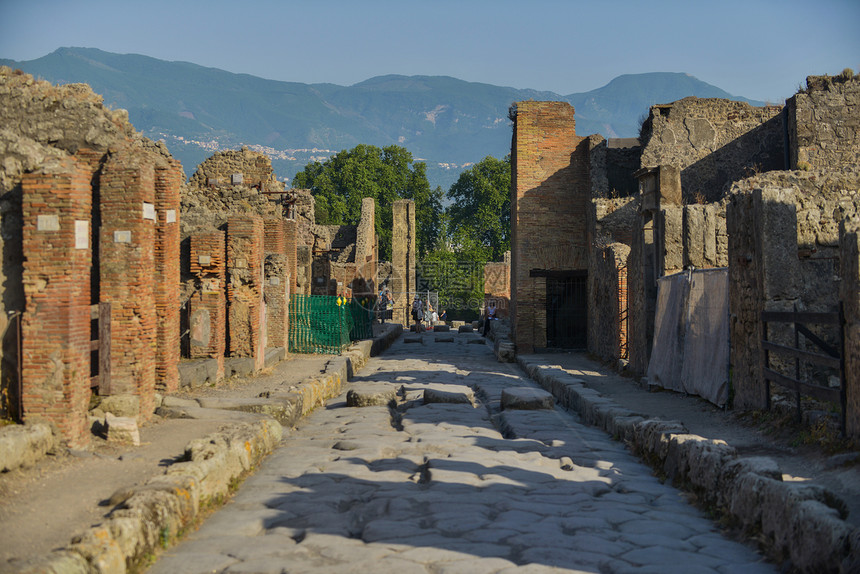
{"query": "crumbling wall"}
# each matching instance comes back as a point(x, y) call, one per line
point(784, 255)
point(233, 168)
point(497, 285)
point(714, 142)
point(612, 164)
point(607, 309)
point(824, 123)
point(402, 283)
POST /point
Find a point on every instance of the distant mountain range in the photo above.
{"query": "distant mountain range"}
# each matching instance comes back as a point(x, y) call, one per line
point(446, 122)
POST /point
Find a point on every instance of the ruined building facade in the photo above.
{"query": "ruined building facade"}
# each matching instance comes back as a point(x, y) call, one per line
point(121, 281)
point(738, 209)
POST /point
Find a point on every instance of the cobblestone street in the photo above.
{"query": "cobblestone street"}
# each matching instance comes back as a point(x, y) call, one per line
point(447, 482)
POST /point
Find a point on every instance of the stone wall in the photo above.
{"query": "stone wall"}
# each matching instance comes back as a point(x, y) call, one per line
point(237, 168)
point(714, 142)
point(824, 124)
point(497, 285)
point(849, 247)
point(207, 307)
point(784, 255)
point(402, 283)
point(550, 206)
point(612, 164)
point(245, 282)
point(607, 289)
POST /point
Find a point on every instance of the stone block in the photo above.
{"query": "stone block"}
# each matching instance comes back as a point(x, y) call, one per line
point(526, 398)
point(371, 395)
point(443, 339)
point(437, 396)
point(122, 430)
point(441, 328)
point(121, 405)
point(465, 329)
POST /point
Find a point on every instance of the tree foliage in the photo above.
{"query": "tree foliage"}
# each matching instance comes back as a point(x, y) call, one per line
point(476, 229)
point(387, 174)
point(480, 212)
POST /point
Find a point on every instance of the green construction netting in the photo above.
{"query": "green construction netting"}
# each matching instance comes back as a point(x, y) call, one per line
point(327, 324)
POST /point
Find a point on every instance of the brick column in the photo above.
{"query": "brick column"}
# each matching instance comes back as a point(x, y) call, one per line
point(246, 317)
point(168, 180)
point(55, 362)
point(127, 269)
point(207, 308)
point(290, 251)
point(276, 287)
point(849, 294)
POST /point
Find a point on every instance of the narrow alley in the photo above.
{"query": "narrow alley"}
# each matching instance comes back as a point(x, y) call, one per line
point(416, 468)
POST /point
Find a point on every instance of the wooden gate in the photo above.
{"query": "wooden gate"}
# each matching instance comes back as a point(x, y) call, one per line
point(100, 346)
point(833, 357)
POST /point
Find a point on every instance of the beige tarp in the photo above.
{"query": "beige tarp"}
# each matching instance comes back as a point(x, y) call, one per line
point(690, 353)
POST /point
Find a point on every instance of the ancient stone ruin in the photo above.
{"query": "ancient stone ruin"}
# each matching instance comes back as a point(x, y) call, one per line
point(121, 281)
point(733, 211)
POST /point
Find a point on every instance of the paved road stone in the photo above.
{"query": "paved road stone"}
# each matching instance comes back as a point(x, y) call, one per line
point(453, 487)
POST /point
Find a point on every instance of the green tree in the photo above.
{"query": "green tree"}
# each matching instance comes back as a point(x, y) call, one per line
point(480, 212)
point(475, 229)
point(387, 174)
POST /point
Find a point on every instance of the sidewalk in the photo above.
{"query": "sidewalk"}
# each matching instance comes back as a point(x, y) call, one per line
point(839, 473)
point(43, 506)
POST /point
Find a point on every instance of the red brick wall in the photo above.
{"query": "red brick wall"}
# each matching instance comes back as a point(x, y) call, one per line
point(127, 268)
point(56, 325)
point(550, 198)
point(168, 180)
point(209, 302)
point(246, 319)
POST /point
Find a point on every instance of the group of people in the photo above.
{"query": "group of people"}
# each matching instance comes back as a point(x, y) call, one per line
point(420, 312)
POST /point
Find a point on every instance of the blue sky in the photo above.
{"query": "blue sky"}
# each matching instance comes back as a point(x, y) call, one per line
point(761, 49)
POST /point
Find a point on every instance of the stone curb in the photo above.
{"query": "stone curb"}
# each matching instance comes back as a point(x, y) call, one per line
point(795, 522)
point(155, 514)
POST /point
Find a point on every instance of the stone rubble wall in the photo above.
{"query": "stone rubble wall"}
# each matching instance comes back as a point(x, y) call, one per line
point(224, 167)
point(612, 165)
point(785, 255)
point(715, 142)
point(607, 289)
point(824, 123)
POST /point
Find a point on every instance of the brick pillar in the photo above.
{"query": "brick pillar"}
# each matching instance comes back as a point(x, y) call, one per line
point(290, 247)
point(127, 269)
point(365, 250)
point(277, 283)
point(245, 311)
point(849, 295)
point(168, 180)
point(207, 308)
point(403, 259)
point(56, 209)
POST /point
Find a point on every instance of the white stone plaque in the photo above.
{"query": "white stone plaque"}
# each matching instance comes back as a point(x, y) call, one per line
point(148, 211)
point(122, 236)
point(82, 234)
point(274, 280)
point(204, 260)
point(170, 216)
point(241, 264)
point(48, 223)
point(237, 178)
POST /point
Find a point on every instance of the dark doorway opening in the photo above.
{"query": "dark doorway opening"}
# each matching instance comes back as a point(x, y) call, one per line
point(567, 311)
